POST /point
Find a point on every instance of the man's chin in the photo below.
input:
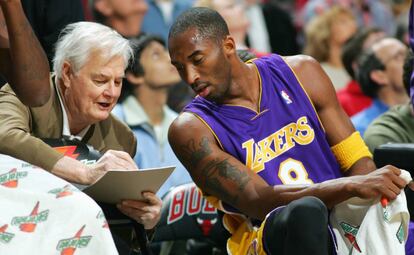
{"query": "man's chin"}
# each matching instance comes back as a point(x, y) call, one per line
point(101, 116)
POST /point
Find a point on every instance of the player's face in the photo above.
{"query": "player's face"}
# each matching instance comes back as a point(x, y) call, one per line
point(92, 92)
point(202, 63)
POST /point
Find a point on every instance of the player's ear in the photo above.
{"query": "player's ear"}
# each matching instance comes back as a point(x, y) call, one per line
point(229, 45)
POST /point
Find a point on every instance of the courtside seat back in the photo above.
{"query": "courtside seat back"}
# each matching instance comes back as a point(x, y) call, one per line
point(400, 155)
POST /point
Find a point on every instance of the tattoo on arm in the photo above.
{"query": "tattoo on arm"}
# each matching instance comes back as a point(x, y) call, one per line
point(216, 173)
point(195, 155)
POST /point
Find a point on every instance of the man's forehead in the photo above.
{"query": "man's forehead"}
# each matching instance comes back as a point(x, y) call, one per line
point(386, 43)
point(189, 35)
point(188, 41)
point(99, 65)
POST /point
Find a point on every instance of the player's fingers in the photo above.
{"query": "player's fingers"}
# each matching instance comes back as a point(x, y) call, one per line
point(400, 182)
point(394, 169)
point(394, 188)
point(389, 194)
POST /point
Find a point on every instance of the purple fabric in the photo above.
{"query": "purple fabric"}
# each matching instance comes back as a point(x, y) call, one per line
point(409, 245)
point(411, 33)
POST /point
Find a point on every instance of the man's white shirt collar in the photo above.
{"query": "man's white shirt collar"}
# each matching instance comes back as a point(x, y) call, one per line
point(66, 129)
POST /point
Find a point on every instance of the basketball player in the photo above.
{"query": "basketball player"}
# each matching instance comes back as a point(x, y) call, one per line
point(267, 141)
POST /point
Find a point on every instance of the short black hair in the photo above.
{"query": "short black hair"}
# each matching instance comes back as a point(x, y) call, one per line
point(353, 48)
point(207, 22)
point(367, 63)
point(135, 67)
point(407, 70)
point(138, 45)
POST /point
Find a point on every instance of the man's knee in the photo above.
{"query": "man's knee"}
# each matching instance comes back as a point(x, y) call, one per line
point(307, 211)
point(308, 208)
point(305, 221)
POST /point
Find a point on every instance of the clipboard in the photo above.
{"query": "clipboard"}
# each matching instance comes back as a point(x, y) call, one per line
point(117, 185)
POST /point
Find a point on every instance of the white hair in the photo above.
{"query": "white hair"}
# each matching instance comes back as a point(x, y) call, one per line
point(78, 40)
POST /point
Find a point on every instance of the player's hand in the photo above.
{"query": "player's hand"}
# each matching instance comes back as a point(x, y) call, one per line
point(147, 211)
point(384, 182)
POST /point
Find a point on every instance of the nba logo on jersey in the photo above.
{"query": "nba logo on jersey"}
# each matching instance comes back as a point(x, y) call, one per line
point(286, 97)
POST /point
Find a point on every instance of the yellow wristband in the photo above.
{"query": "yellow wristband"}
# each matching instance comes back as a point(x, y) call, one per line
point(350, 150)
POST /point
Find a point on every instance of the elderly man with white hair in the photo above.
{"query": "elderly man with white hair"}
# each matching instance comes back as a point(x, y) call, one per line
point(89, 65)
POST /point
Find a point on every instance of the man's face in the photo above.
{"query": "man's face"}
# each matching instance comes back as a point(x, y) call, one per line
point(343, 27)
point(392, 53)
point(202, 63)
point(234, 13)
point(158, 71)
point(126, 8)
point(125, 16)
point(93, 91)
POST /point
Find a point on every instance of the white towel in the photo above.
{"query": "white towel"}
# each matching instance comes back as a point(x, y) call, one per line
point(43, 214)
point(363, 226)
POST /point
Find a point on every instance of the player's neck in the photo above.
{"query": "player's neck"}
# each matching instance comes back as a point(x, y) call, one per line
point(245, 87)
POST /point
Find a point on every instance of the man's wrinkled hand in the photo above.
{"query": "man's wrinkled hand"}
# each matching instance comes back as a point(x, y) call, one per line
point(146, 211)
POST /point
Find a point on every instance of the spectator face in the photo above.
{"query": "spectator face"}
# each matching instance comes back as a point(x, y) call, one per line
point(128, 8)
point(392, 53)
point(203, 63)
point(372, 38)
point(342, 28)
point(93, 91)
point(125, 16)
point(233, 13)
point(158, 70)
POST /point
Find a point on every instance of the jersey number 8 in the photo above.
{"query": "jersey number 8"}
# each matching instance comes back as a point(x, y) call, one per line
point(292, 171)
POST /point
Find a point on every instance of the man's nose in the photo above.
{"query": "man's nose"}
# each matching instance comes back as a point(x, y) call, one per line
point(110, 90)
point(191, 75)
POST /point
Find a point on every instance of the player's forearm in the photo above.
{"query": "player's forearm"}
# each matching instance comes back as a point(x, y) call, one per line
point(361, 167)
point(259, 204)
point(29, 76)
point(331, 192)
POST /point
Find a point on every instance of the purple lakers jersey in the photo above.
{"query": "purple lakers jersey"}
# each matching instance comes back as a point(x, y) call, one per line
point(284, 142)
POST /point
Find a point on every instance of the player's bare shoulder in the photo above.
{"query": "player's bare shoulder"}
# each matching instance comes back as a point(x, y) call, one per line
point(302, 63)
point(313, 78)
point(185, 127)
point(184, 121)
